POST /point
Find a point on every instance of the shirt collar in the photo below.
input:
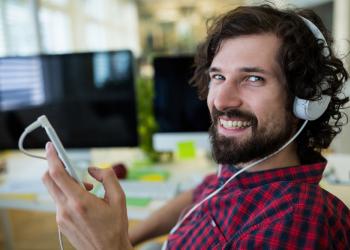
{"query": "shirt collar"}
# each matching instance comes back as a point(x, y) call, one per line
point(311, 173)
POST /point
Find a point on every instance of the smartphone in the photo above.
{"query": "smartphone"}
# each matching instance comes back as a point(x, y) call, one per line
point(62, 154)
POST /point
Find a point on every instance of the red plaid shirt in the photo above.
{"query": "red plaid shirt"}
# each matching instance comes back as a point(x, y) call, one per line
point(276, 209)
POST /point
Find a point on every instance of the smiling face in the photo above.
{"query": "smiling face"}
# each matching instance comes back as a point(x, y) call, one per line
point(247, 100)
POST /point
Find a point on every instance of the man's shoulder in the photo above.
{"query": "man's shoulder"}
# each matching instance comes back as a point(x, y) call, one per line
point(305, 207)
point(310, 201)
point(298, 213)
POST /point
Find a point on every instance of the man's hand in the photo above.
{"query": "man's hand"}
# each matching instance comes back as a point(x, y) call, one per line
point(87, 221)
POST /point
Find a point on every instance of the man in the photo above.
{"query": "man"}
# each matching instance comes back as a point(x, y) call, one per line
point(253, 64)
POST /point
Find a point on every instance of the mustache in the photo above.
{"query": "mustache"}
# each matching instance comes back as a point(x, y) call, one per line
point(233, 113)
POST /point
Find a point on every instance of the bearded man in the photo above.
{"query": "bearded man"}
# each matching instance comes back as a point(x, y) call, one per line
point(272, 85)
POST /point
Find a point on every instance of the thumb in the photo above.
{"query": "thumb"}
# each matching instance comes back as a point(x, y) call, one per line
point(113, 191)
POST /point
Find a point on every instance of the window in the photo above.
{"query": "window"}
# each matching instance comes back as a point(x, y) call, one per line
point(2, 32)
point(95, 36)
point(58, 2)
point(55, 31)
point(21, 33)
point(94, 9)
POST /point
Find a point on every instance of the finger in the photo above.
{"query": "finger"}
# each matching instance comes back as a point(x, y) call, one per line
point(113, 191)
point(54, 191)
point(59, 175)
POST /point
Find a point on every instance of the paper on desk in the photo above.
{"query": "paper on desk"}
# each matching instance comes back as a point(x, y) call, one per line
point(22, 167)
point(23, 175)
point(22, 187)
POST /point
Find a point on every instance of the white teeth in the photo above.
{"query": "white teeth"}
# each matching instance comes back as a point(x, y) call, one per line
point(234, 124)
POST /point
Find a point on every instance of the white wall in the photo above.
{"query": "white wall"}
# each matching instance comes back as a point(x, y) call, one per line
point(341, 33)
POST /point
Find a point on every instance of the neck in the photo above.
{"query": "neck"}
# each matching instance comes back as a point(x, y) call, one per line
point(286, 158)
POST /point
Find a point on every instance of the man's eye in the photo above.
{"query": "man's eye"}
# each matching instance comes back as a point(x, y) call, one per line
point(255, 78)
point(217, 77)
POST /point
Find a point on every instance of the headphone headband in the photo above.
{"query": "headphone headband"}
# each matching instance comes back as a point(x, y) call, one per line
point(317, 34)
point(307, 109)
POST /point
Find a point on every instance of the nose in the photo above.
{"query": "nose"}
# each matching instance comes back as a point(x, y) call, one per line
point(227, 96)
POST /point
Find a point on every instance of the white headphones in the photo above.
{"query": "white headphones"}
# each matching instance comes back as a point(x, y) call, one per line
point(307, 109)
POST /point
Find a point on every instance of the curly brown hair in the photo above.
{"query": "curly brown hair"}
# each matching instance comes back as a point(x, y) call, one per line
point(300, 58)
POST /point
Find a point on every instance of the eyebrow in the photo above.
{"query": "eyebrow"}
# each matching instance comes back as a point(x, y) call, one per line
point(243, 69)
point(253, 69)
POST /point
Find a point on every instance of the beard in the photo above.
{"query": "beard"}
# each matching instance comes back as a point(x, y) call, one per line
point(262, 142)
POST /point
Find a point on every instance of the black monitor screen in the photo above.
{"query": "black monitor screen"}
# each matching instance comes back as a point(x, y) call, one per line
point(89, 99)
point(176, 105)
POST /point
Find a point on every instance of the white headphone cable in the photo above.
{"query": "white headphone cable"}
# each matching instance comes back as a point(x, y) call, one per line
point(60, 238)
point(24, 151)
point(231, 178)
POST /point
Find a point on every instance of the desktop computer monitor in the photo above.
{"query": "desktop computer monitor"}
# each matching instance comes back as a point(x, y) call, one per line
point(180, 115)
point(89, 99)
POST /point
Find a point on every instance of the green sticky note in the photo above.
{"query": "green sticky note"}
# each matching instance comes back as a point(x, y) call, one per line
point(186, 150)
point(148, 174)
point(137, 202)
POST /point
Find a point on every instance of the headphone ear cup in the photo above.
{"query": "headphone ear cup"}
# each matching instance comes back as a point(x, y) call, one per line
point(310, 110)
